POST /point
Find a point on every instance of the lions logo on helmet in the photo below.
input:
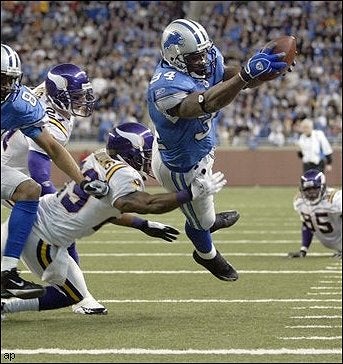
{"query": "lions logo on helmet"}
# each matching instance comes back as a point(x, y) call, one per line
point(185, 45)
point(173, 39)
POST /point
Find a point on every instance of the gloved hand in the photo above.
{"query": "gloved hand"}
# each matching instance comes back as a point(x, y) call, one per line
point(299, 254)
point(158, 230)
point(95, 188)
point(262, 63)
point(205, 185)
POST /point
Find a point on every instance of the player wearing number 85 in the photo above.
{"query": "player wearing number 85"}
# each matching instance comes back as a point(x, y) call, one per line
point(190, 85)
point(21, 110)
point(320, 210)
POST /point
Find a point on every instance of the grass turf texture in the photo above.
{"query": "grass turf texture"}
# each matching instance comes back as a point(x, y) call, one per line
point(158, 298)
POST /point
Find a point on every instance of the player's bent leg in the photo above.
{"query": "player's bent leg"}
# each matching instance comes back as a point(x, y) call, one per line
point(20, 223)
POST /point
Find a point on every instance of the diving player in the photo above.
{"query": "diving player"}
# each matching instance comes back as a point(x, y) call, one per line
point(188, 88)
point(71, 214)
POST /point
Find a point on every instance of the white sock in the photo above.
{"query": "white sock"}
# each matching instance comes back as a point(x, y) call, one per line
point(17, 305)
point(210, 255)
point(8, 263)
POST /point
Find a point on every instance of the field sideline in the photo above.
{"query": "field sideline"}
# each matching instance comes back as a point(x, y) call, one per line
point(163, 307)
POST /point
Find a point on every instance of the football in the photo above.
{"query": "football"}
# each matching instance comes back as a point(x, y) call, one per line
point(287, 44)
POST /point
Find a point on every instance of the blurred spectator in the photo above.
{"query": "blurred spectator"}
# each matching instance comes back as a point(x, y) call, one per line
point(117, 42)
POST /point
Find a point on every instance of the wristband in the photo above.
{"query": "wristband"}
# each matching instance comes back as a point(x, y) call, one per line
point(244, 76)
point(183, 196)
point(138, 223)
point(303, 249)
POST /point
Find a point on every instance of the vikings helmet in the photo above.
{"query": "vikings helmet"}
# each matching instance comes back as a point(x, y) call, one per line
point(11, 73)
point(132, 143)
point(313, 186)
point(185, 45)
point(69, 89)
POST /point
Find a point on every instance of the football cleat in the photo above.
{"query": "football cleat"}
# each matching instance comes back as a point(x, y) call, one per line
point(218, 266)
point(14, 286)
point(89, 306)
point(225, 220)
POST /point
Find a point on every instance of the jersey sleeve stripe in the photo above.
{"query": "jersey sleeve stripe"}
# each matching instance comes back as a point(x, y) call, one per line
point(59, 125)
point(114, 169)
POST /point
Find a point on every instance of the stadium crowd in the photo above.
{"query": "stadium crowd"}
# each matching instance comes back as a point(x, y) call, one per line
point(118, 43)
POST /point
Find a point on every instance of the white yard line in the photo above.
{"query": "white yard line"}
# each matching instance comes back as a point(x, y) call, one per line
point(140, 351)
point(311, 338)
point(324, 293)
point(313, 327)
point(318, 317)
point(217, 300)
point(187, 254)
point(179, 241)
point(317, 307)
point(199, 272)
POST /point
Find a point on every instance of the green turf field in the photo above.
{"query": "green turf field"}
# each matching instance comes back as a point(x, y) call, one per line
point(163, 307)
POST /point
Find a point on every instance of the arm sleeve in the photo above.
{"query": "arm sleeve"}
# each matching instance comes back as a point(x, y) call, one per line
point(40, 169)
point(307, 236)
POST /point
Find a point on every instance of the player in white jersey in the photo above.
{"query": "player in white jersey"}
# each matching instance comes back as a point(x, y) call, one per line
point(71, 214)
point(25, 155)
point(21, 110)
point(320, 210)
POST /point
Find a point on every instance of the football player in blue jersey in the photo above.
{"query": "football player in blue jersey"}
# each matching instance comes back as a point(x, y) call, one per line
point(190, 85)
point(20, 109)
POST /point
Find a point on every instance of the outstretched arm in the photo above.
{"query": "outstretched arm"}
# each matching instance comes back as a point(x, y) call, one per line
point(60, 156)
point(144, 203)
point(307, 236)
point(151, 228)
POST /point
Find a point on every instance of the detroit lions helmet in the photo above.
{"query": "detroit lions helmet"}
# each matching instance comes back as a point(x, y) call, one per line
point(11, 73)
point(312, 186)
point(132, 143)
point(68, 88)
point(185, 45)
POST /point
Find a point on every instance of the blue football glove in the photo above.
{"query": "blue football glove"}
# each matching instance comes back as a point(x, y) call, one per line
point(262, 63)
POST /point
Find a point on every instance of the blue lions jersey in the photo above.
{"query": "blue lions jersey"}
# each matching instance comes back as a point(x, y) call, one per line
point(23, 111)
point(182, 142)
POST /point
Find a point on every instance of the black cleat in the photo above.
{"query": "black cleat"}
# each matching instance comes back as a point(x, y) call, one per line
point(14, 286)
point(218, 266)
point(225, 220)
